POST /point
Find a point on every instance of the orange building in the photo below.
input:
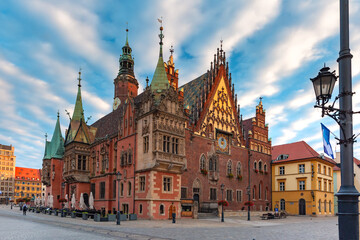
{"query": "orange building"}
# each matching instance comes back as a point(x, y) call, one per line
point(7, 172)
point(27, 183)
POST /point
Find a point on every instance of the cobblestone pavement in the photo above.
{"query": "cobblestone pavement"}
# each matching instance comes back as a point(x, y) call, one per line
point(13, 225)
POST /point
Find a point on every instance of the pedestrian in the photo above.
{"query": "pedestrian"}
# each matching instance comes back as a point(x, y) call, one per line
point(24, 209)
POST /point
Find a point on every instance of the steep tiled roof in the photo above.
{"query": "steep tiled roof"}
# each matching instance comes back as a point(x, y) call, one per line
point(108, 125)
point(31, 174)
point(357, 161)
point(296, 151)
point(193, 89)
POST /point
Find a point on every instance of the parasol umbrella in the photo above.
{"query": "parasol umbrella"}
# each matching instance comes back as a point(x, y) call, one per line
point(73, 201)
point(91, 201)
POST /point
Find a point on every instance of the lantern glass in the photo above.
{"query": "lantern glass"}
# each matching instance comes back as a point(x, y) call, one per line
point(324, 84)
point(118, 176)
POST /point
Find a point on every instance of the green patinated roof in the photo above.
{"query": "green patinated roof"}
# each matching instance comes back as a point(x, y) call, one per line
point(55, 148)
point(160, 80)
point(78, 111)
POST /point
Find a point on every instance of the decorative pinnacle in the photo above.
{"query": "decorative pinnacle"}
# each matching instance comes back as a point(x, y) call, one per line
point(221, 42)
point(260, 100)
point(127, 31)
point(147, 81)
point(46, 137)
point(79, 78)
point(58, 114)
point(171, 50)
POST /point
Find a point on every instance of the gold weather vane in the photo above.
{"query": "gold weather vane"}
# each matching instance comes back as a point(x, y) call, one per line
point(160, 20)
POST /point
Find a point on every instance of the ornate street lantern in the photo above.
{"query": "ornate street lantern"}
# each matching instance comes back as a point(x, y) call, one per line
point(324, 84)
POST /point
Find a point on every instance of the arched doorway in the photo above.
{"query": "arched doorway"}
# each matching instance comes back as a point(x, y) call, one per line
point(86, 199)
point(302, 207)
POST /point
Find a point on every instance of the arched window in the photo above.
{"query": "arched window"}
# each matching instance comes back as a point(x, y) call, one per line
point(162, 209)
point(329, 206)
point(130, 157)
point(140, 209)
point(325, 203)
point(129, 189)
point(265, 167)
point(282, 204)
point(260, 165)
point(255, 165)
point(319, 205)
point(121, 189)
point(266, 193)
point(215, 164)
point(259, 190)
point(238, 169)
point(229, 167)
point(202, 162)
point(254, 192)
point(211, 164)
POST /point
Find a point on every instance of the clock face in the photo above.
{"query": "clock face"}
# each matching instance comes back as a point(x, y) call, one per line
point(117, 102)
point(222, 143)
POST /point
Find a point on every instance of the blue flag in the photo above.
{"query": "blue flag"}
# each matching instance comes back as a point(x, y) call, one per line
point(326, 141)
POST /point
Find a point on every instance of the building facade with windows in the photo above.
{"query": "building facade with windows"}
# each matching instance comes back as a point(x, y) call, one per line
point(7, 172)
point(174, 146)
point(27, 183)
point(302, 180)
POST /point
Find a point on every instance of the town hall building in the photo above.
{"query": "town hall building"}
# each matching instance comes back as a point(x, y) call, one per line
point(178, 148)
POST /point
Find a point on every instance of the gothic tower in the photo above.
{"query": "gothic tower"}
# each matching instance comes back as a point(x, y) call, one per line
point(125, 83)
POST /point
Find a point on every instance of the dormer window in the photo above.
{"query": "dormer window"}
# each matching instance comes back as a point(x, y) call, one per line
point(282, 157)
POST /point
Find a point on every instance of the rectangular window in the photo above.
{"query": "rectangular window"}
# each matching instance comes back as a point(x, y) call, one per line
point(175, 144)
point(166, 143)
point(146, 144)
point(282, 186)
point(213, 194)
point(301, 185)
point(229, 195)
point(92, 189)
point(319, 185)
point(302, 168)
point(114, 189)
point(166, 184)
point(319, 168)
point(282, 170)
point(142, 183)
point(183, 193)
point(324, 170)
point(238, 196)
point(330, 190)
point(84, 163)
point(325, 185)
point(102, 190)
point(79, 162)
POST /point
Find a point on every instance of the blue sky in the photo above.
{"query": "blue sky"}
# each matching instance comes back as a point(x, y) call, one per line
point(273, 48)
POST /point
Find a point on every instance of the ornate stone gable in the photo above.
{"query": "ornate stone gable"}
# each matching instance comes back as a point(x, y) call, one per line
point(220, 114)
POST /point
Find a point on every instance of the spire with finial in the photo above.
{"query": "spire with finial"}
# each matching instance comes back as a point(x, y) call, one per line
point(79, 78)
point(260, 103)
point(127, 31)
point(126, 60)
point(46, 137)
point(147, 81)
point(160, 80)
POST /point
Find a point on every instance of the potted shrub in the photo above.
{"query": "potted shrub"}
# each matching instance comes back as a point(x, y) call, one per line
point(239, 177)
point(97, 217)
point(261, 171)
point(123, 217)
point(111, 217)
point(56, 213)
point(204, 172)
point(85, 215)
point(230, 175)
point(223, 203)
point(132, 216)
point(73, 214)
point(256, 170)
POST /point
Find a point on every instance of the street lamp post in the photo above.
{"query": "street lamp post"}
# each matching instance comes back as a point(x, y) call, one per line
point(222, 186)
point(118, 178)
point(248, 188)
point(323, 86)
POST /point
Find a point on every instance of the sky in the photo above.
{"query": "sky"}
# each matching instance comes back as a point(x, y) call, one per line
point(273, 47)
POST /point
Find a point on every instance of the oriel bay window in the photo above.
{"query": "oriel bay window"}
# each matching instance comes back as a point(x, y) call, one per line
point(81, 162)
point(167, 184)
point(175, 145)
point(146, 144)
point(166, 143)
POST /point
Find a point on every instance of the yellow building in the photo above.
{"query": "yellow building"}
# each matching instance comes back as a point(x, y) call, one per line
point(7, 173)
point(27, 183)
point(302, 180)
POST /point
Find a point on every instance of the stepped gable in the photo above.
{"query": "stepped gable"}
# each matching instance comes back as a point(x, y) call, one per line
point(296, 151)
point(192, 90)
point(109, 124)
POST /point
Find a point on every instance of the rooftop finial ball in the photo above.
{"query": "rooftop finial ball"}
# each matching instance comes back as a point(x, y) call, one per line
point(161, 28)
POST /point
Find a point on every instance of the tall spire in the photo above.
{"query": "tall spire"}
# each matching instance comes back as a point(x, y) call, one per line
point(57, 141)
point(126, 60)
point(160, 81)
point(78, 111)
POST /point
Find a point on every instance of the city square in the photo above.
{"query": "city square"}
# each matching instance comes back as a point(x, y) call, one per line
point(40, 226)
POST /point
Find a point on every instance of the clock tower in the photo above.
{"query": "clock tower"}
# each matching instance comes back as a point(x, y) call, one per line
point(126, 85)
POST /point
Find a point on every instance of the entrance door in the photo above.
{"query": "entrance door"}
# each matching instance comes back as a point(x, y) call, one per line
point(86, 199)
point(302, 207)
